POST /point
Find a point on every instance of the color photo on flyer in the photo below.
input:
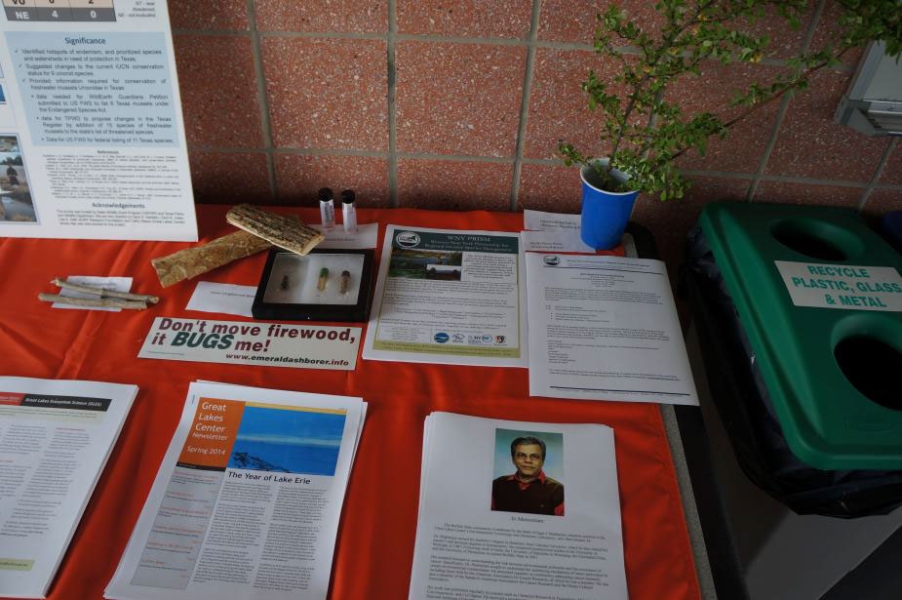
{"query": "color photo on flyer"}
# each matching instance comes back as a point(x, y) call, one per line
point(253, 343)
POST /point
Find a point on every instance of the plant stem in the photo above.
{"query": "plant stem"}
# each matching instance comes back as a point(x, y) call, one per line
point(669, 39)
point(808, 74)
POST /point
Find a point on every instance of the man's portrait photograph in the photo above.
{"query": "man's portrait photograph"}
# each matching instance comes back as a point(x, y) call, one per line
point(528, 472)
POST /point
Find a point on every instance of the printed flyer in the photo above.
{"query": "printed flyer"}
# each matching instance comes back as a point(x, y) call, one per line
point(247, 501)
point(517, 510)
point(449, 296)
point(55, 439)
point(605, 328)
point(253, 343)
point(92, 141)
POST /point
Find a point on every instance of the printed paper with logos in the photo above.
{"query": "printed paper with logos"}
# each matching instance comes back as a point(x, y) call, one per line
point(449, 296)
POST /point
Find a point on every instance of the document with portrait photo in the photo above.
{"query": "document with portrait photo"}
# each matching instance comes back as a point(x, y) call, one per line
point(527, 509)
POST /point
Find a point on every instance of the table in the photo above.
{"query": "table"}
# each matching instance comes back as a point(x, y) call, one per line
point(375, 542)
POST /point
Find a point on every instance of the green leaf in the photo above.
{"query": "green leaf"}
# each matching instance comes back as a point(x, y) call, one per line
point(642, 124)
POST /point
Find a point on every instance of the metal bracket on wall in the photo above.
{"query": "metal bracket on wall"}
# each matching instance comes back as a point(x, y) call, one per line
point(873, 104)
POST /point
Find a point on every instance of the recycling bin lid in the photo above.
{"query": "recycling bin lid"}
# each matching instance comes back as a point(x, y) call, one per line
point(819, 296)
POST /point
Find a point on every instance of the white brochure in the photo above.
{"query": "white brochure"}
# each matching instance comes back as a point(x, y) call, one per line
point(247, 501)
point(605, 328)
point(449, 296)
point(517, 510)
point(92, 141)
point(366, 237)
point(223, 298)
point(551, 222)
point(55, 438)
point(554, 241)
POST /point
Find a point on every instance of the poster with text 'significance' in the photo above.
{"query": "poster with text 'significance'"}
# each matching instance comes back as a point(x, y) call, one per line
point(92, 141)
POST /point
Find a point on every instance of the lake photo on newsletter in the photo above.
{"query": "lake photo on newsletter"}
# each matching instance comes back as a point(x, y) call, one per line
point(288, 441)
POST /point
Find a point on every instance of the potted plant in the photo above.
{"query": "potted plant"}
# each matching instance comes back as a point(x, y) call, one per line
point(645, 130)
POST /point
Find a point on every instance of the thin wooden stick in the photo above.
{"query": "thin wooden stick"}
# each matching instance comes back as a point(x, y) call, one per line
point(104, 293)
point(93, 302)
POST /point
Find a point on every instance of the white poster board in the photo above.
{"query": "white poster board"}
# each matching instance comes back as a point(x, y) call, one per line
point(92, 142)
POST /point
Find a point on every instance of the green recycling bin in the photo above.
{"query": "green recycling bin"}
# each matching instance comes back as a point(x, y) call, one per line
point(819, 297)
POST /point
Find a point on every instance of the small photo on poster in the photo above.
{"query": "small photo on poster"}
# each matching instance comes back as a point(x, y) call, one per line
point(15, 194)
point(426, 264)
point(528, 472)
point(7, 118)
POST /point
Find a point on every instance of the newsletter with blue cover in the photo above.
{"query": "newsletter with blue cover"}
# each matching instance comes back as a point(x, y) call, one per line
point(247, 501)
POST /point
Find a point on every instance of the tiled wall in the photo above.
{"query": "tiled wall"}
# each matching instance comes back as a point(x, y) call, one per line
point(459, 104)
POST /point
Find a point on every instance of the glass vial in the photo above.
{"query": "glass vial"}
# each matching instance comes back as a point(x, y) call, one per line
point(349, 212)
point(344, 284)
point(326, 209)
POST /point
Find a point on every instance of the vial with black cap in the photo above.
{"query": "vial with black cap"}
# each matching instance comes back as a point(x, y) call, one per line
point(349, 211)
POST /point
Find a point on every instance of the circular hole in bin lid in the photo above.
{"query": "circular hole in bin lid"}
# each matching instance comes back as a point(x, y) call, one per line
point(873, 367)
point(816, 239)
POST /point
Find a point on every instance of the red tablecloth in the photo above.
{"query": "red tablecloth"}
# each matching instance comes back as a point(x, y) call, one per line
point(375, 543)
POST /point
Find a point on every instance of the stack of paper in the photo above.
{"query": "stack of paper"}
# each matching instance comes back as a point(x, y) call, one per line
point(517, 510)
point(247, 501)
point(605, 328)
point(55, 438)
point(449, 296)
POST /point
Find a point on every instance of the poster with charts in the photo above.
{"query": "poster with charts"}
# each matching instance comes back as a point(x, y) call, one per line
point(92, 141)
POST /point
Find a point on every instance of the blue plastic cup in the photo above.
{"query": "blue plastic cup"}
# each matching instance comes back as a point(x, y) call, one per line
point(604, 214)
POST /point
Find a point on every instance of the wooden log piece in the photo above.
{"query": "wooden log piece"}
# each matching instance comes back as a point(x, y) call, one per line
point(192, 262)
point(285, 232)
